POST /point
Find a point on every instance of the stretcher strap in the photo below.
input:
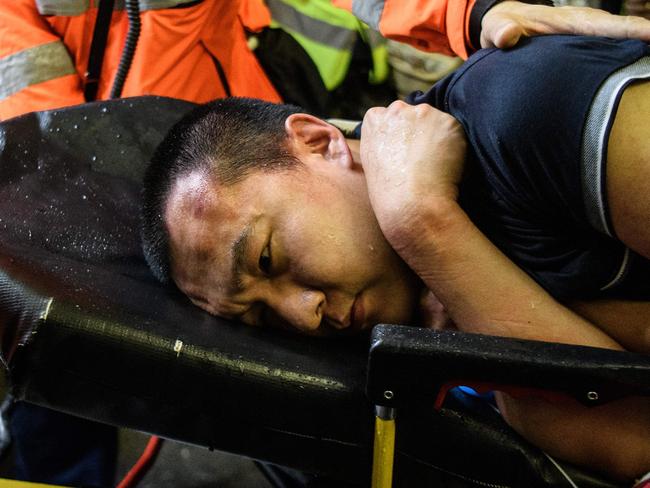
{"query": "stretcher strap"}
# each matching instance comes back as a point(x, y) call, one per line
point(97, 49)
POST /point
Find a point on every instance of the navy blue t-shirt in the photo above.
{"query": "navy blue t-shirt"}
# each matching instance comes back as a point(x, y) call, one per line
point(525, 113)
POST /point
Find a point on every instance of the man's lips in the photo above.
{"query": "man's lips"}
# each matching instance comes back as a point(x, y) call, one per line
point(354, 320)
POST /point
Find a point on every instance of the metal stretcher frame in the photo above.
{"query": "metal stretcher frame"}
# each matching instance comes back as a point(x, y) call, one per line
point(85, 329)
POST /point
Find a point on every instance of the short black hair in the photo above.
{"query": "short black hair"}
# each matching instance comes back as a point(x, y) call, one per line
point(227, 138)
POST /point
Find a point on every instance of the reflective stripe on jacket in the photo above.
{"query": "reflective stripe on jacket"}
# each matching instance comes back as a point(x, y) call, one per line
point(328, 34)
point(182, 45)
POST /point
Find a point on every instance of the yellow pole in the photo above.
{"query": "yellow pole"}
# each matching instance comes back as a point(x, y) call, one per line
point(384, 448)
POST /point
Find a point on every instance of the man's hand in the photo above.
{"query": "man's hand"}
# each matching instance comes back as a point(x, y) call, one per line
point(432, 314)
point(412, 156)
point(505, 23)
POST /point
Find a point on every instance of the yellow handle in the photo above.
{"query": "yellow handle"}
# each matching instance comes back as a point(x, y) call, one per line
point(384, 453)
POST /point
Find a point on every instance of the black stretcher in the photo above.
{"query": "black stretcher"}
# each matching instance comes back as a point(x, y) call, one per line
point(85, 329)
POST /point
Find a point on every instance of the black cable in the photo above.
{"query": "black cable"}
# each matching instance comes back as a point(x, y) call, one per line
point(132, 36)
point(97, 48)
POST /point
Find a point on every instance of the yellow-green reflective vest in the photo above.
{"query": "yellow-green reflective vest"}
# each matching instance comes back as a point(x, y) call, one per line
point(328, 34)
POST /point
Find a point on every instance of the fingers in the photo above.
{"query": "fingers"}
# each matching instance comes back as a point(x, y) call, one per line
point(370, 116)
point(376, 113)
point(504, 24)
point(639, 27)
point(506, 36)
point(587, 21)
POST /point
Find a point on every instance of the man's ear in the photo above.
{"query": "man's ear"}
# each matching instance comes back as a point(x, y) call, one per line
point(309, 135)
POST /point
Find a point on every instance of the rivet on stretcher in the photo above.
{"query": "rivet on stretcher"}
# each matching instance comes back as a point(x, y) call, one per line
point(592, 395)
point(178, 345)
point(388, 395)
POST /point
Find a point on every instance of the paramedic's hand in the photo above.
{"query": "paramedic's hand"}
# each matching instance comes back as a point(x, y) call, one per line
point(505, 23)
point(412, 157)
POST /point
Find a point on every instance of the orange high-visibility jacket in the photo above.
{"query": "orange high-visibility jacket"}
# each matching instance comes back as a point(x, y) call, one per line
point(445, 26)
point(44, 48)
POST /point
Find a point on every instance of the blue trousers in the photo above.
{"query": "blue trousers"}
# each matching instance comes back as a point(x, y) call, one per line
point(56, 448)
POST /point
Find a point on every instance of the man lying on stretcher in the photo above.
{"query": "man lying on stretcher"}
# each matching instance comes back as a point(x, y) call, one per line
point(270, 216)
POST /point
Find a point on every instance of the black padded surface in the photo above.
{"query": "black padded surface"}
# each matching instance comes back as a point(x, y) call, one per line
point(87, 330)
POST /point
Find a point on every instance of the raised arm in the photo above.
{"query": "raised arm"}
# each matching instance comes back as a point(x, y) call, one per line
point(463, 26)
point(412, 157)
point(505, 23)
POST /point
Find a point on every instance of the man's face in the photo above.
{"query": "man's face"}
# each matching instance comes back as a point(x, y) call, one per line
point(295, 249)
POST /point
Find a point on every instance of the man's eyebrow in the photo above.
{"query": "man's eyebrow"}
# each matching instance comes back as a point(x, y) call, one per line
point(238, 252)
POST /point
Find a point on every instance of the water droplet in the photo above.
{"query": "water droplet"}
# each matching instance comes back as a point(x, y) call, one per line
point(84, 197)
point(94, 158)
point(85, 117)
point(75, 126)
point(117, 136)
point(104, 110)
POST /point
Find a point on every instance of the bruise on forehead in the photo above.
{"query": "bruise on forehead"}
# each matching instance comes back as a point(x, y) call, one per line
point(189, 204)
point(190, 194)
point(207, 258)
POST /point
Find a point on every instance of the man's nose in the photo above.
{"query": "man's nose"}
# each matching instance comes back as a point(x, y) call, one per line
point(300, 307)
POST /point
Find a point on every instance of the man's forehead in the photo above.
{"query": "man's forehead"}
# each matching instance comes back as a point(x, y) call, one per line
point(190, 195)
point(196, 199)
point(203, 224)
